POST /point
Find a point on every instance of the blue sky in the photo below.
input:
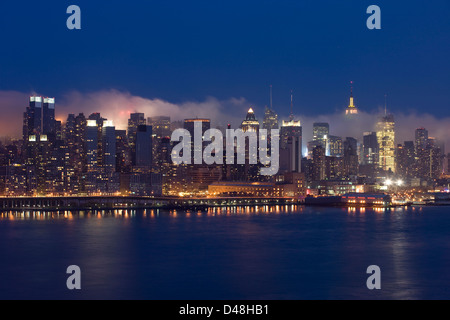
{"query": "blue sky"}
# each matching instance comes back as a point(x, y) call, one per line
point(188, 50)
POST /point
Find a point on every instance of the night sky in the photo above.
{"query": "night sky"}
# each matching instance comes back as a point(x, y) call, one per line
point(189, 50)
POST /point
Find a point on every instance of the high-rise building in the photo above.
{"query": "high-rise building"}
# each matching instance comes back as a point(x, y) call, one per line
point(321, 131)
point(189, 125)
point(370, 149)
point(351, 109)
point(109, 146)
point(421, 138)
point(250, 124)
point(319, 164)
point(32, 123)
point(48, 118)
point(144, 147)
point(39, 118)
point(123, 153)
point(386, 143)
point(334, 168)
point(422, 151)
point(160, 126)
point(435, 158)
point(98, 118)
point(270, 119)
point(351, 157)
point(291, 141)
point(335, 146)
point(92, 145)
point(136, 120)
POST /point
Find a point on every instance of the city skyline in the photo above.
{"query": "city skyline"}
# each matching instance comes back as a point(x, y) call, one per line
point(111, 103)
point(88, 154)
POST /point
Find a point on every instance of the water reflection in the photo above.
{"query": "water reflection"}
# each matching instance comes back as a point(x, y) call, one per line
point(209, 212)
point(151, 213)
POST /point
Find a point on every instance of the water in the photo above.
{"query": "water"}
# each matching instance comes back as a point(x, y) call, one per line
point(235, 253)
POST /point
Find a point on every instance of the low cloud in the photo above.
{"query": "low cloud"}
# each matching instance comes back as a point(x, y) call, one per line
point(405, 126)
point(117, 106)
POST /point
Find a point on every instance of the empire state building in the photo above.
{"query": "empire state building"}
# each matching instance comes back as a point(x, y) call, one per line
point(351, 109)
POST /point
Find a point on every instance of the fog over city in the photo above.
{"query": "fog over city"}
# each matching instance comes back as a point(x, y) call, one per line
point(117, 105)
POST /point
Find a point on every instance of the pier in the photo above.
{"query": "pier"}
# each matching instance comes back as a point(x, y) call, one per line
point(126, 202)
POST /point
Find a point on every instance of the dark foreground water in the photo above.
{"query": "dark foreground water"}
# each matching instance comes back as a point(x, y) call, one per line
point(234, 253)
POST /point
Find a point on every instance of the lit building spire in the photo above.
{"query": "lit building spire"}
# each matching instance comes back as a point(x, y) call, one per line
point(351, 109)
point(385, 104)
point(271, 97)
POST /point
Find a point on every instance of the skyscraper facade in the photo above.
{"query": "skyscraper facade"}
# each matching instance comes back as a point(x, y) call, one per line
point(109, 146)
point(270, 119)
point(386, 143)
point(250, 124)
point(136, 120)
point(321, 131)
point(291, 141)
point(335, 146)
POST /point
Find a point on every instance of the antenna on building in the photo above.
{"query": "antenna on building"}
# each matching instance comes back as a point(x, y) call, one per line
point(271, 97)
point(385, 104)
point(291, 117)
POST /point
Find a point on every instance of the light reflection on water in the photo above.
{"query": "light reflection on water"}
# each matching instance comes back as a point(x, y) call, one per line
point(149, 213)
point(264, 252)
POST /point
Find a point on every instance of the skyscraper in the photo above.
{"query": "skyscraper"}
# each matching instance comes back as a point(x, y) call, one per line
point(386, 142)
point(321, 132)
point(160, 126)
point(250, 123)
point(144, 147)
point(48, 119)
point(270, 119)
point(319, 164)
point(123, 153)
point(350, 157)
point(109, 146)
point(136, 120)
point(92, 145)
point(370, 149)
point(335, 147)
point(421, 138)
point(32, 124)
point(291, 141)
point(351, 109)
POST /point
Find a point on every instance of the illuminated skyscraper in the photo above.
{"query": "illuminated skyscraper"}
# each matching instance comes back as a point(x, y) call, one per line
point(32, 118)
point(421, 138)
point(386, 143)
point(123, 154)
point(319, 164)
point(109, 146)
point(335, 147)
point(351, 109)
point(48, 119)
point(160, 126)
point(291, 145)
point(136, 120)
point(270, 119)
point(321, 132)
point(350, 157)
point(250, 124)
point(92, 145)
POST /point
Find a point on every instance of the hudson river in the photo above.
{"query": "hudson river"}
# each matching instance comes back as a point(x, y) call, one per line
point(227, 253)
